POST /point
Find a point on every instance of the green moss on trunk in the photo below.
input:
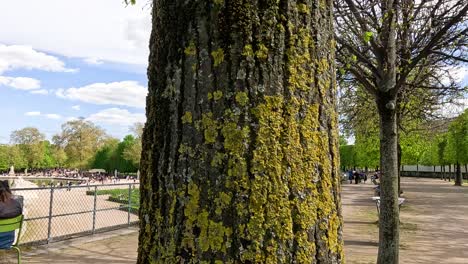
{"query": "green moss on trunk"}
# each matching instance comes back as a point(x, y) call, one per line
point(240, 161)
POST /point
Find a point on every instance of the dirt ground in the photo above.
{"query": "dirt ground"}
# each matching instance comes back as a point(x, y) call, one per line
point(434, 220)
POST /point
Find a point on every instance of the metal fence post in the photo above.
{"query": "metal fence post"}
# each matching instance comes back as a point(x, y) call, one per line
point(129, 201)
point(94, 209)
point(49, 226)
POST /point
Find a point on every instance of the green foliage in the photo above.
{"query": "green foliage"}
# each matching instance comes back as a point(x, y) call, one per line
point(4, 162)
point(343, 141)
point(457, 140)
point(348, 157)
point(413, 146)
point(30, 142)
point(367, 36)
point(111, 156)
point(367, 148)
point(80, 140)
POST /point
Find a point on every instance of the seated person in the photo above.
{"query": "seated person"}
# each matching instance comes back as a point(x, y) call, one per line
point(9, 208)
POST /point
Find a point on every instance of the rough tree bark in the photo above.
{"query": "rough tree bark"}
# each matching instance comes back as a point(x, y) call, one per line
point(240, 149)
point(389, 213)
point(389, 231)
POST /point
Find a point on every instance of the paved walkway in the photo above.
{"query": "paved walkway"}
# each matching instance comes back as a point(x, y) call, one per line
point(116, 247)
point(434, 220)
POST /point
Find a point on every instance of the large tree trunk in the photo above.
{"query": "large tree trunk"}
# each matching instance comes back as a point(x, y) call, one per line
point(240, 158)
point(458, 175)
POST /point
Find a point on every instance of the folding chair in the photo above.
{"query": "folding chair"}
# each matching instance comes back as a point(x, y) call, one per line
point(12, 224)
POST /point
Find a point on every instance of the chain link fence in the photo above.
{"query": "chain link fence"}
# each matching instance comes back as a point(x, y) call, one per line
point(59, 213)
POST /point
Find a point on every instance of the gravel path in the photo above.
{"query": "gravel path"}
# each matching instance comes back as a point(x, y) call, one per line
point(36, 204)
point(434, 220)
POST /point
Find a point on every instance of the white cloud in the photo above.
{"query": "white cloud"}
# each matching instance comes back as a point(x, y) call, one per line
point(126, 93)
point(71, 118)
point(137, 30)
point(49, 116)
point(20, 83)
point(76, 107)
point(110, 30)
point(34, 113)
point(93, 61)
point(454, 109)
point(41, 91)
point(25, 57)
point(53, 116)
point(116, 116)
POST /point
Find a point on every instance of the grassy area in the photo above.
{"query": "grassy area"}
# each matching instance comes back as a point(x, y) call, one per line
point(120, 195)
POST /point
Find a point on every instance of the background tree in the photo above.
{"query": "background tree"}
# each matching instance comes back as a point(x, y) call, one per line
point(367, 150)
point(4, 159)
point(105, 156)
point(348, 159)
point(414, 143)
point(132, 151)
point(111, 155)
point(80, 139)
point(390, 48)
point(240, 148)
point(59, 156)
point(48, 160)
point(30, 142)
point(17, 158)
point(457, 144)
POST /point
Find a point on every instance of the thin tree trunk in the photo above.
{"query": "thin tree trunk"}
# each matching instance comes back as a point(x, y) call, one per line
point(386, 103)
point(458, 175)
point(240, 159)
point(466, 171)
point(399, 166)
point(450, 173)
point(389, 210)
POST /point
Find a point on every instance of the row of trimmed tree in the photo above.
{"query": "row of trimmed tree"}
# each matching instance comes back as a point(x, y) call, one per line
point(441, 143)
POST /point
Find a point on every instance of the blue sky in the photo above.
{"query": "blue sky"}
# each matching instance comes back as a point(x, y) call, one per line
point(61, 60)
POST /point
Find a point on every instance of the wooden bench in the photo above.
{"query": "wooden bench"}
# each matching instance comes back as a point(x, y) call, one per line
point(377, 202)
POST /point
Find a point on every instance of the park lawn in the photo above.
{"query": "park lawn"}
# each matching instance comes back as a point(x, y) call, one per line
point(121, 196)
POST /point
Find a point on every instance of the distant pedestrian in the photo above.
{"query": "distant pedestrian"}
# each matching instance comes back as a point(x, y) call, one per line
point(356, 177)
